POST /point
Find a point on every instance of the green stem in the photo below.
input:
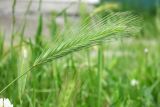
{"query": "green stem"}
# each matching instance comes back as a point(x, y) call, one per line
point(25, 21)
point(100, 73)
point(13, 22)
point(17, 79)
point(88, 59)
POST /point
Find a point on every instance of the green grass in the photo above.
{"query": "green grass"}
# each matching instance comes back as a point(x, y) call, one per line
point(55, 84)
point(90, 64)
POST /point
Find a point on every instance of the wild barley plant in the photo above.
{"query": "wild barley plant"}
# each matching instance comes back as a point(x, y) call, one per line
point(112, 26)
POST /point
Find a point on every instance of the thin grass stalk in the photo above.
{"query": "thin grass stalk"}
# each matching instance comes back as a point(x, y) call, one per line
point(1, 45)
point(40, 25)
point(25, 22)
point(13, 22)
point(25, 73)
point(29, 100)
point(38, 36)
point(100, 74)
point(56, 75)
point(88, 59)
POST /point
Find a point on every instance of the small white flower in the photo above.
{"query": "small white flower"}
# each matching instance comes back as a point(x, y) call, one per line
point(4, 102)
point(145, 50)
point(134, 82)
point(24, 52)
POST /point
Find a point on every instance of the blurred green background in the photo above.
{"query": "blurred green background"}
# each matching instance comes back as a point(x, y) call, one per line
point(121, 72)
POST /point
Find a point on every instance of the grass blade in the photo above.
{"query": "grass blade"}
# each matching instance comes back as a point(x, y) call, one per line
point(23, 65)
point(1, 44)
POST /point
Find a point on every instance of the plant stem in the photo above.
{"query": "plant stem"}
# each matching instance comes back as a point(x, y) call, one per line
point(100, 73)
point(88, 59)
point(25, 22)
point(17, 79)
point(13, 22)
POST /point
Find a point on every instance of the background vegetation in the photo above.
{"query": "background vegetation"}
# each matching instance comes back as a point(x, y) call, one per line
point(109, 59)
